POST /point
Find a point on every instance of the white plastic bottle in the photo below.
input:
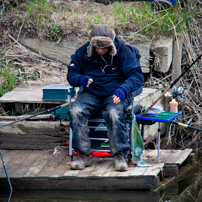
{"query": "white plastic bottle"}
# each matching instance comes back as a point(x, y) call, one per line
point(173, 106)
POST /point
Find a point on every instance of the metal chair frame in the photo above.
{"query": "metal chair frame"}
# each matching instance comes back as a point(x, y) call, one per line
point(98, 125)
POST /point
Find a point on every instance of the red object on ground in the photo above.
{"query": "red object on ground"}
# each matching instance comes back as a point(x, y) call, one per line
point(95, 154)
point(101, 154)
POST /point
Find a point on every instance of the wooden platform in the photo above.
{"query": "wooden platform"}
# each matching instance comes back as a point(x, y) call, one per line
point(33, 164)
point(34, 94)
point(37, 169)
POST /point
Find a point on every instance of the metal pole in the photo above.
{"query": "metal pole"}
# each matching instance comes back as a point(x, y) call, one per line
point(158, 150)
point(9, 182)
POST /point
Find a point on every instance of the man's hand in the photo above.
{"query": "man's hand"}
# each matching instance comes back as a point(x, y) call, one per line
point(85, 80)
point(119, 95)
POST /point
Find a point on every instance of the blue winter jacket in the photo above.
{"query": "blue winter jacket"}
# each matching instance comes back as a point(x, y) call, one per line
point(125, 70)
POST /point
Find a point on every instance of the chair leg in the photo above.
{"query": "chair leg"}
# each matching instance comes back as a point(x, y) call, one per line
point(70, 144)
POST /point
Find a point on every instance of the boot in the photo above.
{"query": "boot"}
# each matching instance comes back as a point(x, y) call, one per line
point(82, 161)
point(119, 162)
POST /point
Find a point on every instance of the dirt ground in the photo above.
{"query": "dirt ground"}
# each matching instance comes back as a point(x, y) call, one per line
point(32, 68)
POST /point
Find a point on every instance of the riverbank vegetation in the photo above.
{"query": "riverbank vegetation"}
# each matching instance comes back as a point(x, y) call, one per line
point(133, 22)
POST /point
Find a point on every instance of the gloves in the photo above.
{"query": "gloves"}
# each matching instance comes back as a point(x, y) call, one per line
point(121, 93)
point(83, 80)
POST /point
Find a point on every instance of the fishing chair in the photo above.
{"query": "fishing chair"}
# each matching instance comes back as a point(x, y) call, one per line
point(98, 131)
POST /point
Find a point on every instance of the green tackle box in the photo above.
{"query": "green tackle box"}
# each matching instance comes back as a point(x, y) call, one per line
point(62, 113)
point(58, 92)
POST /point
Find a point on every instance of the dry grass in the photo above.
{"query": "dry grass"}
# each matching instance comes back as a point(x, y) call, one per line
point(190, 105)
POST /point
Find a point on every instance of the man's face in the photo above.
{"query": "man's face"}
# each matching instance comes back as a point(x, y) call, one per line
point(101, 51)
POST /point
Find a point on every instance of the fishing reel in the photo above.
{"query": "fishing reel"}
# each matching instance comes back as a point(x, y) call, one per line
point(178, 91)
point(54, 117)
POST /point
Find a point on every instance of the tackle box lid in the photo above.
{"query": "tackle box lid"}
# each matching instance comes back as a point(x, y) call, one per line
point(58, 92)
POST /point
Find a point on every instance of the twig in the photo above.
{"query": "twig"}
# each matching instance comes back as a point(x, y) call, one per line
point(15, 40)
point(21, 25)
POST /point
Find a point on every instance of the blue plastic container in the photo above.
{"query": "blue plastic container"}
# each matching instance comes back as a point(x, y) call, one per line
point(58, 92)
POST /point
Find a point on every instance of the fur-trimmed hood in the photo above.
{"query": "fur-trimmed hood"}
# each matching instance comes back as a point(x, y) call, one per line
point(101, 36)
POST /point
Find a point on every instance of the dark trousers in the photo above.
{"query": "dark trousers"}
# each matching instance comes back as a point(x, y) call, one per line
point(84, 107)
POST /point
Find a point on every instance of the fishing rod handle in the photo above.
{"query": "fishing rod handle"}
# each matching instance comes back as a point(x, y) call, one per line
point(67, 104)
point(156, 100)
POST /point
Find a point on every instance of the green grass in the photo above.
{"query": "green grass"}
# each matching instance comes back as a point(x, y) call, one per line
point(130, 17)
point(147, 21)
point(40, 12)
point(8, 79)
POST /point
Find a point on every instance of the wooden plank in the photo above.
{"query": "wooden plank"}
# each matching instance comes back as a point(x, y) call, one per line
point(151, 155)
point(41, 161)
point(39, 169)
point(80, 196)
point(168, 156)
point(191, 159)
point(34, 135)
point(97, 169)
point(51, 168)
point(5, 152)
point(61, 168)
point(171, 170)
point(5, 159)
point(110, 172)
point(63, 51)
point(14, 118)
point(59, 52)
point(154, 170)
point(24, 163)
point(32, 94)
point(115, 183)
point(71, 173)
point(28, 95)
point(8, 160)
point(18, 162)
point(138, 171)
point(176, 156)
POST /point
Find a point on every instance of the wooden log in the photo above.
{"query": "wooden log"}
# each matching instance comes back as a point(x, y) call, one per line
point(34, 135)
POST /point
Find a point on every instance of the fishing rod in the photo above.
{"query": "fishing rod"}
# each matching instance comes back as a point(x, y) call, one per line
point(48, 110)
point(9, 182)
point(174, 82)
point(185, 125)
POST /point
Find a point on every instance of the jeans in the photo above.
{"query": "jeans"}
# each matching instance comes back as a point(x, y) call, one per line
point(84, 107)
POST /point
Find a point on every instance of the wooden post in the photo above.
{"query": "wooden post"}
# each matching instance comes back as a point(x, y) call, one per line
point(177, 55)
